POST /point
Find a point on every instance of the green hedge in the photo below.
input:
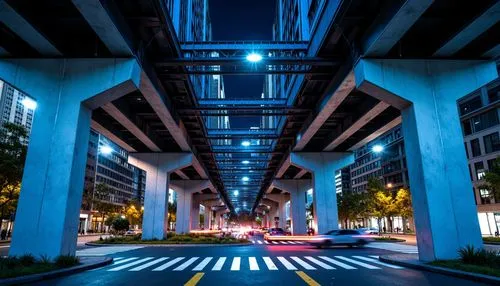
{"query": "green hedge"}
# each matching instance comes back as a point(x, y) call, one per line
point(174, 239)
point(28, 264)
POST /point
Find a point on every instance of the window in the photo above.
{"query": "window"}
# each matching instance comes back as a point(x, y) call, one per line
point(491, 164)
point(470, 105)
point(485, 120)
point(491, 143)
point(475, 148)
point(479, 167)
point(466, 151)
point(494, 94)
point(485, 196)
point(467, 129)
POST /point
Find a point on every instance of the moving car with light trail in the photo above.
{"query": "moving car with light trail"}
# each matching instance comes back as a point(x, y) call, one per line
point(349, 237)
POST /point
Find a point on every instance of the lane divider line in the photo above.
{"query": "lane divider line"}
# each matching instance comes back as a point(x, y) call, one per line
point(309, 281)
point(195, 279)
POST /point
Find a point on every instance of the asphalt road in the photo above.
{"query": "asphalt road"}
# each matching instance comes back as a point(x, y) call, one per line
point(257, 264)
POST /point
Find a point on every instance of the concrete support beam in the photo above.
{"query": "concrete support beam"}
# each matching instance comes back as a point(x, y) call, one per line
point(185, 189)
point(99, 128)
point(182, 174)
point(158, 167)
point(366, 118)
point(389, 29)
point(52, 185)
point(111, 109)
point(26, 31)
point(104, 26)
point(195, 210)
point(334, 100)
point(444, 208)
point(395, 122)
point(300, 174)
point(280, 211)
point(480, 25)
point(323, 165)
point(297, 190)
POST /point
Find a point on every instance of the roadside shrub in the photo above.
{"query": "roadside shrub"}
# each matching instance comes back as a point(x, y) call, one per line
point(44, 259)
point(120, 224)
point(477, 256)
point(27, 260)
point(9, 262)
point(64, 261)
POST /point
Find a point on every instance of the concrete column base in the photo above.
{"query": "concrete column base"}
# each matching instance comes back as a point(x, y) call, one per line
point(297, 190)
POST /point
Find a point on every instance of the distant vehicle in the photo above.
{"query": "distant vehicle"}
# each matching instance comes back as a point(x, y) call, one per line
point(133, 232)
point(349, 237)
point(368, 230)
point(274, 232)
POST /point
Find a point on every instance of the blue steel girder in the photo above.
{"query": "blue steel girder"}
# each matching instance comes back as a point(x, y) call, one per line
point(230, 148)
point(241, 132)
point(245, 102)
point(232, 61)
point(225, 46)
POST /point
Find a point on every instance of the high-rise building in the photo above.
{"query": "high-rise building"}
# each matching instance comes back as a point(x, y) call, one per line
point(479, 114)
point(12, 108)
point(107, 163)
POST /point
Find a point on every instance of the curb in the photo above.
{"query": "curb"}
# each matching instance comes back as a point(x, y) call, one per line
point(168, 245)
point(445, 271)
point(491, 243)
point(55, 273)
point(4, 241)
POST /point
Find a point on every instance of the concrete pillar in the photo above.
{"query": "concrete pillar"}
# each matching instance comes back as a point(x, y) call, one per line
point(426, 91)
point(195, 215)
point(66, 91)
point(323, 165)
point(297, 190)
point(158, 167)
point(208, 218)
point(185, 190)
point(280, 210)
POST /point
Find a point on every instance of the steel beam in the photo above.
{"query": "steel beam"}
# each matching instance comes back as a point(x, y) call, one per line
point(229, 148)
point(377, 133)
point(218, 61)
point(245, 102)
point(241, 132)
point(244, 45)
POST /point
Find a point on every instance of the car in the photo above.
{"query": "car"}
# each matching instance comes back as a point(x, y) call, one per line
point(349, 237)
point(133, 232)
point(368, 230)
point(274, 232)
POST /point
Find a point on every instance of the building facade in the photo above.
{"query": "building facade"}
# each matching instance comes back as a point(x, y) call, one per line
point(107, 163)
point(12, 108)
point(480, 115)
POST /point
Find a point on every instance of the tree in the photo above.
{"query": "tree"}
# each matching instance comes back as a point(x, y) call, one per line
point(172, 211)
point(101, 201)
point(134, 212)
point(350, 206)
point(12, 158)
point(120, 224)
point(492, 178)
point(379, 201)
point(403, 205)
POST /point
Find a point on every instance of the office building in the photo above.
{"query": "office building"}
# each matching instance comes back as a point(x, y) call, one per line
point(14, 109)
point(479, 114)
point(107, 164)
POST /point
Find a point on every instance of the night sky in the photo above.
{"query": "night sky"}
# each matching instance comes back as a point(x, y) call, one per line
point(242, 20)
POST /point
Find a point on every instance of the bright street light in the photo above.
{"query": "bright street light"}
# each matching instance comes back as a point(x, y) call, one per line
point(246, 162)
point(245, 179)
point(29, 103)
point(236, 192)
point(245, 143)
point(253, 57)
point(106, 150)
point(389, 185)
point(378, 148)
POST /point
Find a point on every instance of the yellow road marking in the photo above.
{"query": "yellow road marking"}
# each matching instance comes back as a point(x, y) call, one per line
point(309, 281)
point(195, 279)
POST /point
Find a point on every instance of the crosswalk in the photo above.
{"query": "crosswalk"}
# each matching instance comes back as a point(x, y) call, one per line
point(251, 263)
point(281, 242)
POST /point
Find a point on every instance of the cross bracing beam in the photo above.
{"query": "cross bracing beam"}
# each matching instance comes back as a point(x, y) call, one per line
point(229, 148)
point(257, 71)
point(244, 45)
point(241, 132)
point(243, 108)
point(246, 113)
point(242, 152)
point(273, 61)
point(259, 102)
point(242, 137)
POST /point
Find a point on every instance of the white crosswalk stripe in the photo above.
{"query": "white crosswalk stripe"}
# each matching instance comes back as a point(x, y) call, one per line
point(319, 263)
point(274, 242)
point(151, 263)
point(287, 264)
point(269, 263)
point(291, 242)
point(376, 261)
point(260, 242)
point(283, 242)
point(124, 260)
point(302, 263)
point(186, 264)
point(117, 258)
point(408, 249)
point(218, 265)
point(168, 264)
point(235, 266)
point(357, 262)
point(131, 264)
point(337, 263)
point(255, 263)
point(253, 241)
point(266, 242)
point(202, 264)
